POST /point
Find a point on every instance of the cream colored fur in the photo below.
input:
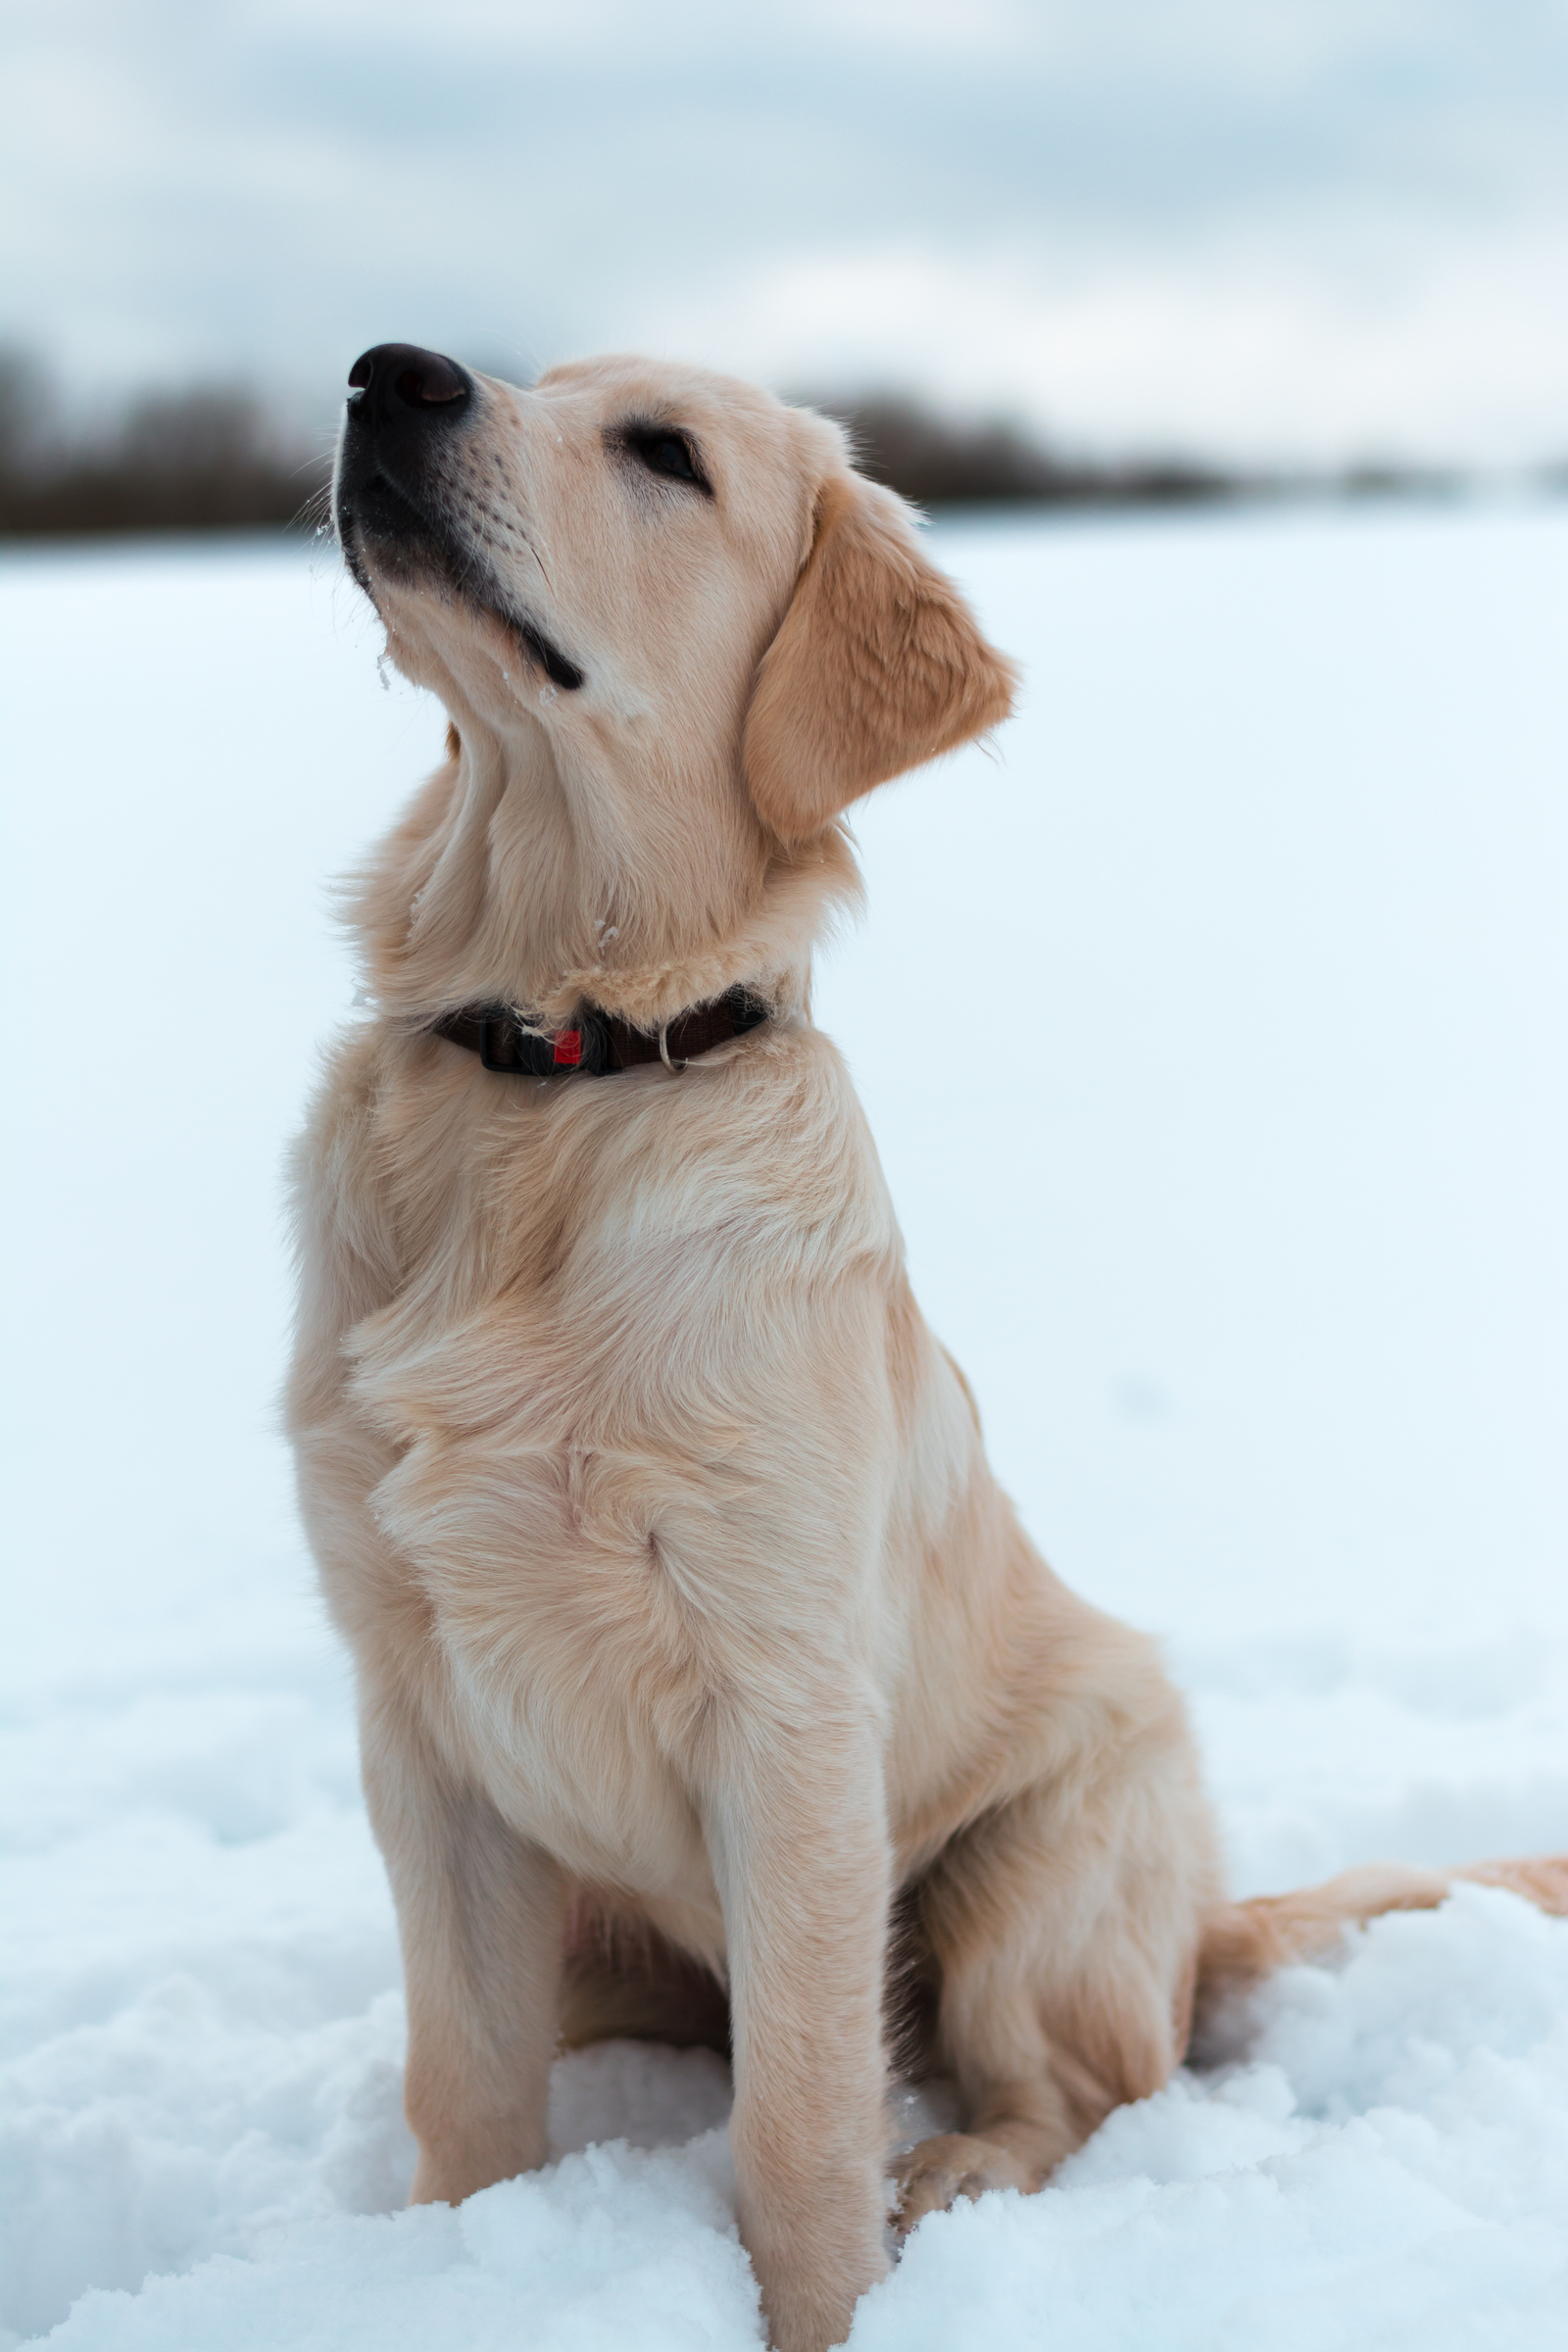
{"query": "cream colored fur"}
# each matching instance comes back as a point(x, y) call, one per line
point(695, 1645)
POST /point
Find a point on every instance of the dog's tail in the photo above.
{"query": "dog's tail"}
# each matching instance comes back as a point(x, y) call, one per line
point(1248, 1940)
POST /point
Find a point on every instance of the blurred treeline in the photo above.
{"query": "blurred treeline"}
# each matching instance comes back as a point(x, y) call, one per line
point(939, 460)
point(220, 458)
point(212, 458)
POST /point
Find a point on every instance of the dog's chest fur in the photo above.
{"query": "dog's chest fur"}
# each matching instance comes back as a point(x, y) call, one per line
point(600, 1345)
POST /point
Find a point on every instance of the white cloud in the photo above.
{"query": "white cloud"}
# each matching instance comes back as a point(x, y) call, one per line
point(1301, 227)
point(1240, 350)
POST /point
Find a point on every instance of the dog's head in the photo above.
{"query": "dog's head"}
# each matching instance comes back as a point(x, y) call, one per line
point(664, 570)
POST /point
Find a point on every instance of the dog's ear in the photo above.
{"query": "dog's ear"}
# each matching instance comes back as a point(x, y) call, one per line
point(877, 665)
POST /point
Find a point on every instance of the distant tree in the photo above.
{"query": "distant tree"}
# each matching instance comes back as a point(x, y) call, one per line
point(936, 460)
point(209, 457)
point(28, 414)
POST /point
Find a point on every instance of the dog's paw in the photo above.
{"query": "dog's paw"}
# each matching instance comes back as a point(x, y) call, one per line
point(929, 2177)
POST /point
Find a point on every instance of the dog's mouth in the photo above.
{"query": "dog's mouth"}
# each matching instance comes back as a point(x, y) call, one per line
point(376, 509)
point(382, 530)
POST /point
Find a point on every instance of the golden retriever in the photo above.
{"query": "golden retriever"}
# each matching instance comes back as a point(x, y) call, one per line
point(709, 1686)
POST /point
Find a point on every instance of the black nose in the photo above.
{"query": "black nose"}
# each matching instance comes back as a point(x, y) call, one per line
point(399, 380)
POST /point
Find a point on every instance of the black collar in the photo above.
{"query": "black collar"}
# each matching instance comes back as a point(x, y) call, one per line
point(598, 1044)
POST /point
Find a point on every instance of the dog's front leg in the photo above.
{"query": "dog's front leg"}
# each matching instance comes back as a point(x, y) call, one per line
point(797, 1833)
point(480, 1915)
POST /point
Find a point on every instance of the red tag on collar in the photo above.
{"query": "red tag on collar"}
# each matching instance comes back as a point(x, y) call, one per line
point(568, 1047)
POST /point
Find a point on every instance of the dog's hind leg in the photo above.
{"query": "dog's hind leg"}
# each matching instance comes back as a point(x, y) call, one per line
point(1066, 1948)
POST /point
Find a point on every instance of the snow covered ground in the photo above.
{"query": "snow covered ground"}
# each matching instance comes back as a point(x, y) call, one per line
point(1217, 1058)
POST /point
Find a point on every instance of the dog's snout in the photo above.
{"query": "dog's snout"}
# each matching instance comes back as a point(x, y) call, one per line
point(398, 383)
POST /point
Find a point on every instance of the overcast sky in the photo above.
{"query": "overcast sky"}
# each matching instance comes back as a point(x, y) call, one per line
point(1255, 227)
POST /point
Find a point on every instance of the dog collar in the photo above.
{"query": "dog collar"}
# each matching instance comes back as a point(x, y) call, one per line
point(598, 1044)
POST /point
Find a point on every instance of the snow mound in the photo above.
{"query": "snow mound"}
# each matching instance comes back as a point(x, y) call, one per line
point(609, 2247)
point(1389, 2167)
point(1390, 2170)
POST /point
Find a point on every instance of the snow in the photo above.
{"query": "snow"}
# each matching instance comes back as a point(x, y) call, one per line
point(1213, 1034)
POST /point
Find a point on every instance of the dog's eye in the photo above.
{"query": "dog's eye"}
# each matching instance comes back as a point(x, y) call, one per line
point(668, 454)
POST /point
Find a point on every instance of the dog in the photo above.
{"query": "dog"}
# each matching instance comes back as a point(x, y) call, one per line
point(710, 1689)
